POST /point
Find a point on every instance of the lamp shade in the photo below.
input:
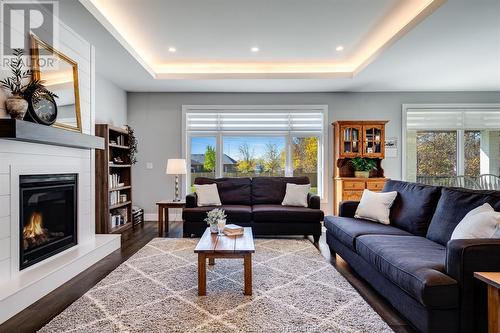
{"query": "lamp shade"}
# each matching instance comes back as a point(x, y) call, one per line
point(176, 166)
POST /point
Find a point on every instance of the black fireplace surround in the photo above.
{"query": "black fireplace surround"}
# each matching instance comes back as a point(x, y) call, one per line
point(48, 216)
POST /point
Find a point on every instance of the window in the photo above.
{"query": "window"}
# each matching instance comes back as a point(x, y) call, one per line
point(305, 159)
point(449, 145)
point(436, 153)
point(472, 153)
point(203, 157)
point(252, 141)
point(252, 156)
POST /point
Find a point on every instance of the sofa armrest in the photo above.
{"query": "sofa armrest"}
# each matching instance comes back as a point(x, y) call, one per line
point(191, 200)
point(313, 201)
point(463, 258)
point(466, 256)
point(348, 208)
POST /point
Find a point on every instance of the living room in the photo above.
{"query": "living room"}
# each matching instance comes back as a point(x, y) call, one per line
point(245, 166)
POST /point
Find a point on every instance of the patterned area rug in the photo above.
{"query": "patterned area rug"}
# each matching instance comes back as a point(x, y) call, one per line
point(294, 290)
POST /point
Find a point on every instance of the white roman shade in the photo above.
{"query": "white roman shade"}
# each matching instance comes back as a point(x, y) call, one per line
point(452, 119)
point(255, 121)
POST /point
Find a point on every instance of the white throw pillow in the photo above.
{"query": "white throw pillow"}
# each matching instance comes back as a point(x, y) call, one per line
point(296, 195)
point(375, 206)
point(208, 195)
point(481, 222)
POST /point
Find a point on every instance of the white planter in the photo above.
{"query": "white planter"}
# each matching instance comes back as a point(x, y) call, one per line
point(213, 228)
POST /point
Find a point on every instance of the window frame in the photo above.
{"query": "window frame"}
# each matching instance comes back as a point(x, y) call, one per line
point(446, 107)
point(288, 135)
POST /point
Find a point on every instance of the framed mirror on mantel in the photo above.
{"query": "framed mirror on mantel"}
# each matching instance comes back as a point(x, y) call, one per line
point(60, 75)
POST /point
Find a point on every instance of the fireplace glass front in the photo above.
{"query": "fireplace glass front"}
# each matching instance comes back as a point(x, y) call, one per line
point(48, 216)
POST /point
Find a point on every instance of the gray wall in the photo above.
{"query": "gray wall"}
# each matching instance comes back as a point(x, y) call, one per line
point(157, 120)
point(110, 103)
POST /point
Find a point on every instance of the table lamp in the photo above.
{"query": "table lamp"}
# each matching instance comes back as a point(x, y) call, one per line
point(176, 166)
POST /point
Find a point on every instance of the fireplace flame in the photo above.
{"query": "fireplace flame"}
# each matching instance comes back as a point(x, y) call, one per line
point(35, 227)
point(34, 233)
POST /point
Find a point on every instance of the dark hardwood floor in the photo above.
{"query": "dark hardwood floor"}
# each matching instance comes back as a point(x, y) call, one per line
point(40, 313)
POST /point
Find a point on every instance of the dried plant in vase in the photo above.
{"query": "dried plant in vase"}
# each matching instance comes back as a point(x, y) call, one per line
point(21, 92)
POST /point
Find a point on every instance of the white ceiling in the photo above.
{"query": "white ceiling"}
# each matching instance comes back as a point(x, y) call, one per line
point(457, 48)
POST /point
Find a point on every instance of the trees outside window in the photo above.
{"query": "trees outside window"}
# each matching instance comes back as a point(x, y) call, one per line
point(305, 158)
point(436, 153)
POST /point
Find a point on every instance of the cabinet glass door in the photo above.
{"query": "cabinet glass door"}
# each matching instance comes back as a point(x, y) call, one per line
point(373, 141)
point(351, 141)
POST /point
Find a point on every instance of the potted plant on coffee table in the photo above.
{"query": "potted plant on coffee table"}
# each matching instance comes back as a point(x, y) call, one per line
point(214, 218)
point(362, 166)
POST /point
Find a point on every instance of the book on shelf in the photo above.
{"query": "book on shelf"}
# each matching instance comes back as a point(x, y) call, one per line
point(118, 217)
point(116, 197)
point(114, 181)
point(233, 230)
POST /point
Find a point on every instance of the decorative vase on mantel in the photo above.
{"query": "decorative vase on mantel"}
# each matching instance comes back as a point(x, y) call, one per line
point(16, 107)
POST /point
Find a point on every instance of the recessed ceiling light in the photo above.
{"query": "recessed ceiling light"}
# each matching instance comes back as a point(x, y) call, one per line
point(255, 49)
point(339, 48)
point(172, 49)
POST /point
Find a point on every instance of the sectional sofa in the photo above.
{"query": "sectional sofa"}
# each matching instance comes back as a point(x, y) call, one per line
point(413, 263)
point(256, 202)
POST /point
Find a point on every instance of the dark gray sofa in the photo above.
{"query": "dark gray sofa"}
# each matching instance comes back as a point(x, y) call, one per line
point(256, 202)
point(413, 263)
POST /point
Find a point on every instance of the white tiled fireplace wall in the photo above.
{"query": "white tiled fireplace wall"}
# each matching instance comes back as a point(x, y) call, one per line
point(19, 289)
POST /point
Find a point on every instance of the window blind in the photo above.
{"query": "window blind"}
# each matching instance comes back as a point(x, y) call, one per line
point(258, 121)
point(452, 119)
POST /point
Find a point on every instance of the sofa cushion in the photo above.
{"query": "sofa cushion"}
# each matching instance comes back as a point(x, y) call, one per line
point(452, 207)
point(235, 213)
point(278, 213)
point(415, 264)
point(414, 205)
point(271, 190)
point(346, 229)
point(232, 191)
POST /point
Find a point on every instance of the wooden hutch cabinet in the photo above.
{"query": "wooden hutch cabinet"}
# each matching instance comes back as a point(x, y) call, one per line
point(357, 139)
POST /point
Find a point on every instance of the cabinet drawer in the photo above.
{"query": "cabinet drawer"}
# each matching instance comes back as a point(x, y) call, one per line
point(375, 186)
point(352, 195)
point(354, 185)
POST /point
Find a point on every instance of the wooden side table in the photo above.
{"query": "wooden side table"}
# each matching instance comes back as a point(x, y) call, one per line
point(163, 207)
point(493, 282)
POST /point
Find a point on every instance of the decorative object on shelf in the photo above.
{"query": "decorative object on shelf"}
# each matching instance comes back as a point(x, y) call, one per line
point(176, 166)
point(62, 77)
point(23, 93)
point(213, 218)
point(132, 142)
point(362, 166)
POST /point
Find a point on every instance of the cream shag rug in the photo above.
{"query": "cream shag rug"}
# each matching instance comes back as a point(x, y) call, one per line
point(294, 290)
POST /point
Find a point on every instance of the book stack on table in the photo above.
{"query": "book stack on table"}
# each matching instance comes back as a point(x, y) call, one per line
point(233, 230)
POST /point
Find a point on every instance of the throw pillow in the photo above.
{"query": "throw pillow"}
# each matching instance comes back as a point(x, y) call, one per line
point(296, 195)
point(481, 222)
point(375, 206)
point(208, 195)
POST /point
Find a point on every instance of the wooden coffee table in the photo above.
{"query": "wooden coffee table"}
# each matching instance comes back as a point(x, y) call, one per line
point(213, 246)
point(492, 280)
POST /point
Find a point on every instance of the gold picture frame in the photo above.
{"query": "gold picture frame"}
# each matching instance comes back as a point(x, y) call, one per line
point(72, 120)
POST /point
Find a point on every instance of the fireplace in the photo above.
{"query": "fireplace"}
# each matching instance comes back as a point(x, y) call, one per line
point(48, 216)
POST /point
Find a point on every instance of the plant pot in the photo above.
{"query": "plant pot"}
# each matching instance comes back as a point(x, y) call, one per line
point(16, 107)
point(213, 228)
point(362, 174)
